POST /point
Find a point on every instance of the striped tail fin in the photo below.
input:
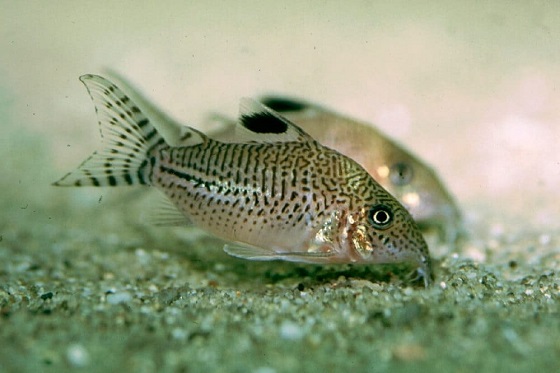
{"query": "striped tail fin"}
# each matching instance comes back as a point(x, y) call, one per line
point(129, 138)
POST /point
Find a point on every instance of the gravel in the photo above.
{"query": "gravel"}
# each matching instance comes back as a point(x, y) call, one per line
point(91, 287)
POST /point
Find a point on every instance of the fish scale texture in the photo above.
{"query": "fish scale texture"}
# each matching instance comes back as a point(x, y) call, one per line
point(337, 223)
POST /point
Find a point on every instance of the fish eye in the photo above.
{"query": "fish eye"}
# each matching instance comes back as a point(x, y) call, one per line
point(381, 216)
point(401, 173)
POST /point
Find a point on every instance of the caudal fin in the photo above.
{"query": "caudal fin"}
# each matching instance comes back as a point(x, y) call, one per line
point(128, 136)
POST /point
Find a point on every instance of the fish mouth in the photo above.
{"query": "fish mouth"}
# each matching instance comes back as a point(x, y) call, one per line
point(420, 257)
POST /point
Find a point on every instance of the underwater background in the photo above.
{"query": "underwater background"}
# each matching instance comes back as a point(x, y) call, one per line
point(472, 89)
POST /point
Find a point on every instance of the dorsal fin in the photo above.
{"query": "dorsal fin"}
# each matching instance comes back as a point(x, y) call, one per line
point(258, 123)
point(292, 108)
point(283, 104)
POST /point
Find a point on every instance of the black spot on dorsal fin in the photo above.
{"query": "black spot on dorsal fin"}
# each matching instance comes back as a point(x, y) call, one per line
point(258, 123)
point(264, 122)
point(283, 104)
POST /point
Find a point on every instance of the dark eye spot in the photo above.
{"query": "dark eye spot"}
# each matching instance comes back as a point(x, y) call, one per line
point(381, 216)
point(401, 174)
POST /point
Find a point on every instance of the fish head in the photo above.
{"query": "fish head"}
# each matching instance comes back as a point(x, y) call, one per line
point(405, 176)
point(386, 233)
point(420, 191)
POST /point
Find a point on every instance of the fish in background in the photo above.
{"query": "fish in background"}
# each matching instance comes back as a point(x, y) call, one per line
point(272, 190)
point(410, 180)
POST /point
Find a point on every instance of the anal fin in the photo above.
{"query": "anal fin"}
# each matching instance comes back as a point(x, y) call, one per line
point(165, 213)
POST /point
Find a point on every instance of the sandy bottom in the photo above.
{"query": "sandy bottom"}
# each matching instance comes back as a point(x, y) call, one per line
point(85, 284)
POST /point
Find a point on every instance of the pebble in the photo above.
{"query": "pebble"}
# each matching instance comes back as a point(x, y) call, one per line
point(119, 297)
point(179, 334)
point(77, 355)
point(291, 331)
point(409, 352)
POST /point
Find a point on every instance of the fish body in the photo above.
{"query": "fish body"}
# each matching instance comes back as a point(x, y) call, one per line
point(410, 180)
point(275, 193)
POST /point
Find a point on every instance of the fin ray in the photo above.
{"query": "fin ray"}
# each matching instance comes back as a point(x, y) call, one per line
point(128, 135)
point(174, 133)
point(249, 252)
point(165, 213)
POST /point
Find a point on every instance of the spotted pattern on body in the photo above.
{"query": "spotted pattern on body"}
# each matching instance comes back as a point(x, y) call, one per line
point(277, 194)
point(220, 186)
point(405, 176)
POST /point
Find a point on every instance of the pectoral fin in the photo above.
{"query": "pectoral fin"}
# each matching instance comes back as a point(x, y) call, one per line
point(165, 213)
point(250, 252)
point(264, 254)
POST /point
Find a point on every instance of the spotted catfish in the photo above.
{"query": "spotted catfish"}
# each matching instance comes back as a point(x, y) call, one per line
point(405, 176)
point(276, 193)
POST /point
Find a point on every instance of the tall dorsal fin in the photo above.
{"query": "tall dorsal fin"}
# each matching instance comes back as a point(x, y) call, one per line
point(284, 104)
point(258, 123)
point(292, 108)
